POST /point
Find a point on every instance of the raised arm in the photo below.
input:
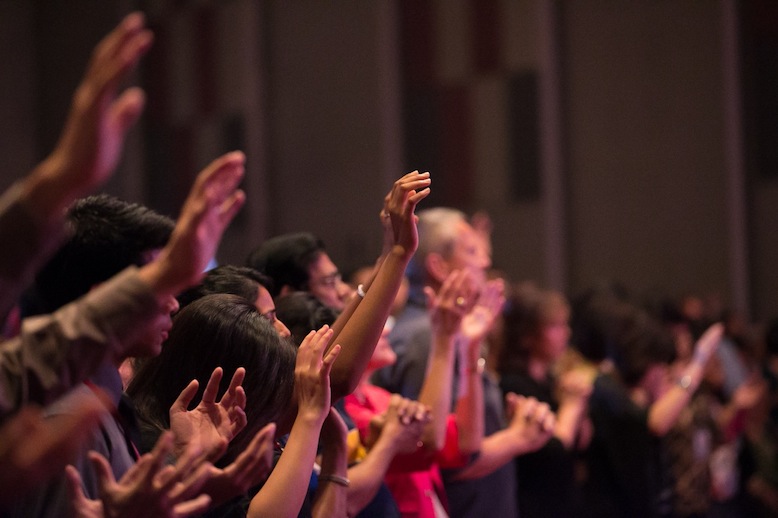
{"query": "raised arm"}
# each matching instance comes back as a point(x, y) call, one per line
point(531, 426)
point(360, 326)
point(32, 211)
point(454, 299)
point(478, 322)
point(54, 352)
point(284, 492)
point(664, 412)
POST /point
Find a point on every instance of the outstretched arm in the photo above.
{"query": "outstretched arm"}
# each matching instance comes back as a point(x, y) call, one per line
point(664, 412)
point(359, 328)
point(531, 426)
point(478, 322)
point(284, 492)
point(32, 211)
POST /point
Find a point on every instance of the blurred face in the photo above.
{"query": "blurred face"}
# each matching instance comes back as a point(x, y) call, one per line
point(325, 283)
point(554, 335)
point(150, 344)
point(469, 253)
point(267, 309)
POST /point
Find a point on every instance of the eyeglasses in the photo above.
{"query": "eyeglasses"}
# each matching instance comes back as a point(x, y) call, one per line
point(329, 281)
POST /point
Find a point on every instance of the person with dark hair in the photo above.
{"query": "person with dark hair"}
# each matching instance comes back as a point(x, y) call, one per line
point(218, 330)
point(632, 407)
point(535, 341)
point(242, 281)
point(299, 262)
point(303, 311)
point(106, 236)
point(228, 331)
point(210, 206)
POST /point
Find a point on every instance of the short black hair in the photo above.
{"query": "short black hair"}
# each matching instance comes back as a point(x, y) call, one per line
point(286, 259)
point(106, 236)
point(235, 280)
point(302, 313)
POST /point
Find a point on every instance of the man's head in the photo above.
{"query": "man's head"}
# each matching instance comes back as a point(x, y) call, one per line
point(447, 242)
point(299, 262)
point(106, 236)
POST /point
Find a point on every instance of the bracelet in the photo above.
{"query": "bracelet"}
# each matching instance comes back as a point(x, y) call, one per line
point(361, 291)
point(685, 382)
point(337, 479)
point(479, 366)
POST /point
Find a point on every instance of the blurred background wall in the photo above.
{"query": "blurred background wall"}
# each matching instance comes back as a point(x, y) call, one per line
point(631, 141)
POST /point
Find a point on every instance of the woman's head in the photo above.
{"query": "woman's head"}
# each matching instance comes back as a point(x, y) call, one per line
point(219, 331)
point(535, 325)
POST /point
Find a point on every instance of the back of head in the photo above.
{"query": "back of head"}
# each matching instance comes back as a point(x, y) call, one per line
point(285, 259)
point(230, 279)
point(437, 229)
point(107, 236)
point(640, 342)
point(219, 331)
point(301, 312)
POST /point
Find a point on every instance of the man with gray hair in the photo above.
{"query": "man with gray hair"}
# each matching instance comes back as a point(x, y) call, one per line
point(486, 486)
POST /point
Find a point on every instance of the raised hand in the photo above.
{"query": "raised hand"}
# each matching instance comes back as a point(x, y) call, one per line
point(452, 302)
point(211, 425)
point(249, 469)
point(399, 206)
point(312, 375)
point(212, 203)
point(91, 143)
point(708, 343)
point(148, 488)
point(480, 319)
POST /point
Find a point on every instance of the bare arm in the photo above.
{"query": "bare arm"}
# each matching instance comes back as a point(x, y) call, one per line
point(470, 401)
point(531, 427)
point(664, 412)
point(361, 331)
point(284, 492)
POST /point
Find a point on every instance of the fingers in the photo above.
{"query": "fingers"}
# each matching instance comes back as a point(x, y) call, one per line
point(192, 507)
point(118, 53)
point(212, 388)
point(185, 397)
point(127, 109)
point(75, 487)
point(104, 472)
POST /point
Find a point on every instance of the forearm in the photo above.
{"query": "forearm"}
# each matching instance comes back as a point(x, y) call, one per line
point(470, 405)
point(285, 489)
point(664, 412)
point(436, 390)
point(331, 497)
point(362, 331)
point(55, 352)
point(568, 422)
point(496, 450)
point(367, 476)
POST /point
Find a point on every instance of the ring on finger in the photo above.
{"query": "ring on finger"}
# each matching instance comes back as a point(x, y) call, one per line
point(460, 301)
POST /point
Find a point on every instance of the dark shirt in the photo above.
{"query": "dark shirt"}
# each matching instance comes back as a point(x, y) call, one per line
point(546, 477)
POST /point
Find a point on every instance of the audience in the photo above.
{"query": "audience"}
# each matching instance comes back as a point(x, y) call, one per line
point(224, 416)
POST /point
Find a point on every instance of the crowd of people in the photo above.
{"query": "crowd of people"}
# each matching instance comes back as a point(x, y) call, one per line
point(135, 383)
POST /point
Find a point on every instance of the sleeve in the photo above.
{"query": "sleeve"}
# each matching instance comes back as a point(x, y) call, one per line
point(55, 352)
